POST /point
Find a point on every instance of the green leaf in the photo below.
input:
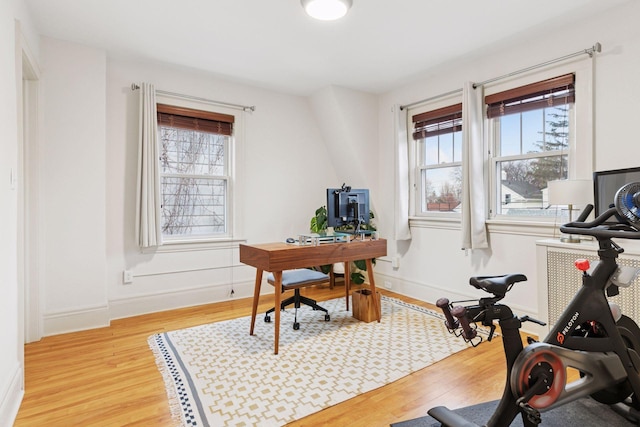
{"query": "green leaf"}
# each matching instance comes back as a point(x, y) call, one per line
point(361, 264)
point(357, 278)
point(318, 222)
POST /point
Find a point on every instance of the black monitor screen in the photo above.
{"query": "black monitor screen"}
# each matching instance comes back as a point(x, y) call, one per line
point(346, 206)
point(607, 183)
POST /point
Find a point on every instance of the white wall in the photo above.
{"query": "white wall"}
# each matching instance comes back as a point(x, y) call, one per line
point(16, 34)
point(347, 123)
point(73, 186)
point(431, 264)
point(10, 365)
point(283, 169)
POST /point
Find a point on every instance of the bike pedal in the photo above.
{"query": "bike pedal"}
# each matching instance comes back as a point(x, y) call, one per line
point(536, 419)
point(533, 415)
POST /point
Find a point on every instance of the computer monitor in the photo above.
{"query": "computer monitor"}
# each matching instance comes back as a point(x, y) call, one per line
point(347, 207)
point(607, 183)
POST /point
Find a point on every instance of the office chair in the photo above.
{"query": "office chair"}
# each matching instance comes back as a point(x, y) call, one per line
point(296, 279)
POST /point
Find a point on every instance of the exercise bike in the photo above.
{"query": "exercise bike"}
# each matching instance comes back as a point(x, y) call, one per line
point(591, 335)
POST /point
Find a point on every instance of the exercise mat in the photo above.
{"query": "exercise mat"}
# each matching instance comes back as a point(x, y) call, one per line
point(584, 412)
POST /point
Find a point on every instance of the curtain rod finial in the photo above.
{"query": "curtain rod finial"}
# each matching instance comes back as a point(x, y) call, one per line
point(596, 48)
point(134, 86)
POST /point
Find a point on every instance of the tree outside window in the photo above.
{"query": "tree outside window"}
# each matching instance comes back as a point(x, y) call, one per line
point(438, 134)
point(194, 177)
point(532, 132)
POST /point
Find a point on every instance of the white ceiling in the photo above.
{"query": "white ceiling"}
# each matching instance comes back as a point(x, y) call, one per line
point(273, 44)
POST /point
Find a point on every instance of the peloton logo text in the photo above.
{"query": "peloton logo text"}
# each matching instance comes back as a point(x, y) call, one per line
point(561, 335)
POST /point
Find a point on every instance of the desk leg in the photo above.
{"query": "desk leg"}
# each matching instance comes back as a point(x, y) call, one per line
point(256, 297)
point(347, 281)
point(278, 294)
point(372, 285)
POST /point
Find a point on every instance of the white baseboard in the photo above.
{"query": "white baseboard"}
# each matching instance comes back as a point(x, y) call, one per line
point(76, 320)
point(101, 316)
point(12, 398)
point(143, 304)
point(418, 290)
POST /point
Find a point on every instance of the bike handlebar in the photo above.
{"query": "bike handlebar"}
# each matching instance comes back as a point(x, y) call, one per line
point(450, 323)
point(598, 229)
point(460, 312)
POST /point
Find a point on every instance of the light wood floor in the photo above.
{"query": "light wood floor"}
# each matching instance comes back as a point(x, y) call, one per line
point(108, 376)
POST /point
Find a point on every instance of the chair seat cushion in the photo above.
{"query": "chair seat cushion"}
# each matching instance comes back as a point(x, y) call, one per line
point(299, 277)
point(338, 268)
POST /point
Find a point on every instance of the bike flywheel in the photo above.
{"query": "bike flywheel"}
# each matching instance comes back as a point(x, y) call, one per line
point(536, 363)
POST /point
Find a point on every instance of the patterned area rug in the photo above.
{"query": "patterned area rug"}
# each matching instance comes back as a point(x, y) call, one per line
point(219, 375)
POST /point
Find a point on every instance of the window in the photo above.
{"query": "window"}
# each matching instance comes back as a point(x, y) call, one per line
point(438, 137)
point(532, 128)
point(195, 148)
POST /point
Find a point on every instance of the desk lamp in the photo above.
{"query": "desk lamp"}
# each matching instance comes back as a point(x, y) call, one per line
point(570, 192)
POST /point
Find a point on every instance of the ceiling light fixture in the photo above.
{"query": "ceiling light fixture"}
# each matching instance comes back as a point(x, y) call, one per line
point(326, 10)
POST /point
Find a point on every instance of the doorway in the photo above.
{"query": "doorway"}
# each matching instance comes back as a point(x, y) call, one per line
point(26, 183)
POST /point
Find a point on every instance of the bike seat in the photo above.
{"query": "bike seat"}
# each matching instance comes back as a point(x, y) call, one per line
point(497, 285)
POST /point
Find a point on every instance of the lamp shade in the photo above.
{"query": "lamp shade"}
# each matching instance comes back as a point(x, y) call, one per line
point(326, 10)
point(570, 192)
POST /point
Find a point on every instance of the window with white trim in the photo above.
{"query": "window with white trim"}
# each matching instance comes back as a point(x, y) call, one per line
point(195, 164)
point(532, 128)
point(437, 136)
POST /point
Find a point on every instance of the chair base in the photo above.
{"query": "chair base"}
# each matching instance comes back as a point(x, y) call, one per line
point(297, 300)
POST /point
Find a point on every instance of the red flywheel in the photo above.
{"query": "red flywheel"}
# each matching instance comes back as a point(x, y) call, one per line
point(537, 363)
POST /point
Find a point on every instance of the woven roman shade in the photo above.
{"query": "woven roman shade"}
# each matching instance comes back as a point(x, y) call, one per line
point(547, 93)
point(437, 122)
point(187, 118)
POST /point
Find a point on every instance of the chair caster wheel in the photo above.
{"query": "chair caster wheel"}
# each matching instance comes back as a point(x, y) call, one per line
point(267, 319)
point(296, 326)
point(327, 317)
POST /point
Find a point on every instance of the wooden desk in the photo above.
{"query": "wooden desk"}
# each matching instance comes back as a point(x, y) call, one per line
point(276, 257)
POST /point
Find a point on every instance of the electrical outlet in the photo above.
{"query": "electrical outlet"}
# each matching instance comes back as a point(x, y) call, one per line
point(127, 277)
point(388, 284)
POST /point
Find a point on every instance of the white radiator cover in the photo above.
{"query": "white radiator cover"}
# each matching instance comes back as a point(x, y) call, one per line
point(564, 280)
